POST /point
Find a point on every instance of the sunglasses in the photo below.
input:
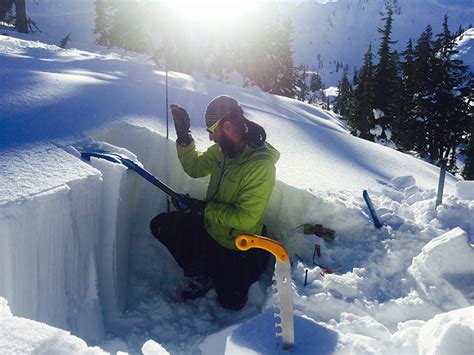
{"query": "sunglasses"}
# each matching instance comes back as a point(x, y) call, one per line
point(212, 129)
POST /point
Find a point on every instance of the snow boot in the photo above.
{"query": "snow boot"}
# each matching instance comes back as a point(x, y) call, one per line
point(196, 287)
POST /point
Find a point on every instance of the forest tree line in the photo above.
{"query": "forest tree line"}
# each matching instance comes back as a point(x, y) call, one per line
point(418, 101)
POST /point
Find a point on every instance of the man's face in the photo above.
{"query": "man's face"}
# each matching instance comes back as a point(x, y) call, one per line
point(224, 141)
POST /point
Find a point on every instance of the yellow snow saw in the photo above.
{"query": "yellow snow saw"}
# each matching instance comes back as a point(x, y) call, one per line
point(281, 283)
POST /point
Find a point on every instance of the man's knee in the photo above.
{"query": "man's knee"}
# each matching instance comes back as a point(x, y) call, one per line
point(155, 225)
point(234, 300)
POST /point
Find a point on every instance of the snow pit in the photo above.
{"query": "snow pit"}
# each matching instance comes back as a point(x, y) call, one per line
point(127, 285)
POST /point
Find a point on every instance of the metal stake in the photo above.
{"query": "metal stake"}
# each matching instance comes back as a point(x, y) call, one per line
point(442, 175)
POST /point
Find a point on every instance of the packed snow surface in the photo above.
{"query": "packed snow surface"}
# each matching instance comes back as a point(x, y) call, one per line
point(76, 252)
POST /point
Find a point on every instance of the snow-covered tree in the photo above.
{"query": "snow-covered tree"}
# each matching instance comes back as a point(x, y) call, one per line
point(362, 117)
point(444, 85)
point(343, 103)
point(18, 16)
point(386, 78)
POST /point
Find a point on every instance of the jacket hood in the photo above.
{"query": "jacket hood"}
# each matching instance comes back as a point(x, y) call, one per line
point(264, 152)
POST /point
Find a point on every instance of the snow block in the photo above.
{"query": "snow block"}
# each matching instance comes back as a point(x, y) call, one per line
point(4, 309)
point(257, 336)
point(25, 336)
point(151, 347)
point(444, 270)
point(448, 333)
point(465, 190)
point(402, 182)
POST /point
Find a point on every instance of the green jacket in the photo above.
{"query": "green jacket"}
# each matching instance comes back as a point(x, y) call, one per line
point(238, 191)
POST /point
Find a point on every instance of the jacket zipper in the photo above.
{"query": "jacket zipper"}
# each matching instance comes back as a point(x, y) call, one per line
point(219, 182)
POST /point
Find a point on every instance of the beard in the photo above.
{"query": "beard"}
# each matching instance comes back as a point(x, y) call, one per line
point(227, 147)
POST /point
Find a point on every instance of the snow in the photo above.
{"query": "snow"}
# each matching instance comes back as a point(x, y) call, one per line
point(76, 255)
point(447, 282)
point(449, 333)
point(24, 336)
point(465, 190)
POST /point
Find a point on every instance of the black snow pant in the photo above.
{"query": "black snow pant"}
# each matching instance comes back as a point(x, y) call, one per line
point(199, 254)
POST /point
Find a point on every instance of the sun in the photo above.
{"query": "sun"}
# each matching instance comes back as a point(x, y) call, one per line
point(213, 13)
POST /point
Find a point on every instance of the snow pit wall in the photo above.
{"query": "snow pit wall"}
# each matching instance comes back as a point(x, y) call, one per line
point(48, 257)
point(67, 254)
point(64, 253)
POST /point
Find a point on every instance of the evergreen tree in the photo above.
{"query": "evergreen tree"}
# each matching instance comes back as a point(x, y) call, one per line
point(386, 81)
point(405, 125)
point(102, 23)
point(452, 115)
point(468, 171)
point(265, 58)
point(126, 29)
point(423, 81)
point(6, 7)
point(21, 18)
point(65, 40)
point(362, 118)
point(301, 83)
point(315, 83)
point(283, 69)
point(444, 89)
point(343, 103)
point(18, 17)
point(355, 77)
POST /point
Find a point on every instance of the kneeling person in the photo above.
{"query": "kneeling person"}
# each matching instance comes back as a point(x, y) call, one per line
point(241, 165)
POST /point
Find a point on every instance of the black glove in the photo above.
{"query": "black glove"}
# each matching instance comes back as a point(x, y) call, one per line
point(181, 124)
point(186, 203)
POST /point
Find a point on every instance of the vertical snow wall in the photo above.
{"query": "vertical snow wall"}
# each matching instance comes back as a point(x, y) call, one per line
point(67, 254)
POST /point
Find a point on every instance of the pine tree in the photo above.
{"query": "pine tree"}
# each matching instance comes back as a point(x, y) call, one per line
point(386, 82)
point(452, 94)
point(423, 56)
point(355, 77)
point(21, 17)
point(65, 40)
point(316, 82)
point(362, 118)
point(283, 69)
point(343, 103)
point(405, 125)
point(468, 171)
point(6, 7)
point(265, 57)
point(18, 17)
point(301, 83)
point(444, 89)
point(102, 23)
point(126, 29)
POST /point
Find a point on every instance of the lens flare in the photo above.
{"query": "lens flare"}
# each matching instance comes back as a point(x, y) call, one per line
point(213, 14)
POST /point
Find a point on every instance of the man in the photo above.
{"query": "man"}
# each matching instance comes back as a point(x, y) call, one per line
point(241, 166)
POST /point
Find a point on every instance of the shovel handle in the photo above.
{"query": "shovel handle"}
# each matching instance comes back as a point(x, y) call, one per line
point(245, 242)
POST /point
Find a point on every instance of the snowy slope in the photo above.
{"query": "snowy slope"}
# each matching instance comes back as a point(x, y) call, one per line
point(75, 237)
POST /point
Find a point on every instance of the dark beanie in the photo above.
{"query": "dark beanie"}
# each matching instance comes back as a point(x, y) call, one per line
point(223, 106)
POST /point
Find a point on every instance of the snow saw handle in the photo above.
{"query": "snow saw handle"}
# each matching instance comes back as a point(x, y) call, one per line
point(245, 242)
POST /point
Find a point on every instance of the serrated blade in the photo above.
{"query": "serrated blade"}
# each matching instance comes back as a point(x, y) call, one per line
point(284, 295)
